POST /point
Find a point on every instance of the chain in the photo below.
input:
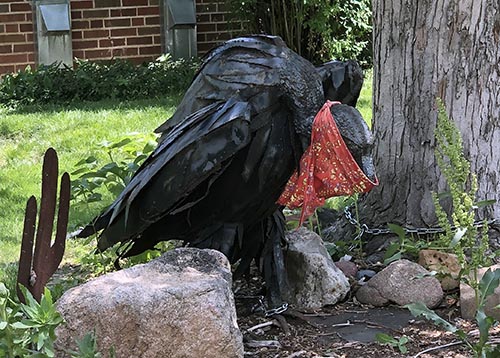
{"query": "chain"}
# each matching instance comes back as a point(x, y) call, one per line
point(363, 228)
point(261, 308)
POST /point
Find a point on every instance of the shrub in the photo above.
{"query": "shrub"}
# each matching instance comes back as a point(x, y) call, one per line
point(92, 81)
point(316, 29)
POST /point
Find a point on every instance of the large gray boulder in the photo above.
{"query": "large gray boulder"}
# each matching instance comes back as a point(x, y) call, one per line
point(179, 305)
point(402, 282)
point(314, 280)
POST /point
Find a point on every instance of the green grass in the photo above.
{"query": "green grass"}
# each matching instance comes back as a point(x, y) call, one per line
point(364, 104)
point(75, 133)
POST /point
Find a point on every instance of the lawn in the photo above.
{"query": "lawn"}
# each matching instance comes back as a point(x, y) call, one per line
point(76, 132)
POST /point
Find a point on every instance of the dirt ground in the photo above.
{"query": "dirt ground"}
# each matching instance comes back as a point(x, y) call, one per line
point(348, 330)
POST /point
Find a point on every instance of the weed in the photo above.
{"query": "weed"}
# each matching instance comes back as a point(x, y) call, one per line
point(400, 343)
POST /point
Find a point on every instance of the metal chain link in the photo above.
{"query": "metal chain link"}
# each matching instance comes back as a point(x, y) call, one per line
point(363, 228)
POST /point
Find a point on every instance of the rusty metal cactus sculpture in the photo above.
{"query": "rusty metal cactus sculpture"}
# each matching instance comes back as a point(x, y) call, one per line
point(38, 265)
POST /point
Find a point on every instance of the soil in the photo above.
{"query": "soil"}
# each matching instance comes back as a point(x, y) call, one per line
point(348, 330)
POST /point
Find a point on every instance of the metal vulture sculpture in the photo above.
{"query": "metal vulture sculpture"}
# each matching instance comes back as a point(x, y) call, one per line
point(225, 156)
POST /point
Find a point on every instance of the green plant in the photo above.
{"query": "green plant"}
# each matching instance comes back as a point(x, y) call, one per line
point(400, 343)
point(318, 30)
point(481, 347)
point(87, 348)
point(27, 329)
point(92, 81)
point(125, 157)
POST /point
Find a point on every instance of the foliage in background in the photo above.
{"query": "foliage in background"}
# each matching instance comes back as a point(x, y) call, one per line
point(125, 156)
point(316, 29)
point(94, 81)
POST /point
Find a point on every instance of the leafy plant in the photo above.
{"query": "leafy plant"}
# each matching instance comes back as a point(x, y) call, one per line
point(481, 347)
point(318, 30)
point(26, 329)
point(400, 343)
point(125, 157)
point(87, 348)
point(92, 81)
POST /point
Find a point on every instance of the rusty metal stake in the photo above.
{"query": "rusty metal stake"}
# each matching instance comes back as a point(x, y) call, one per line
point(35, 268)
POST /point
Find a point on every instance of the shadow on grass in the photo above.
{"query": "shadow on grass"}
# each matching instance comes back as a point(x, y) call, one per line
point(171, 100)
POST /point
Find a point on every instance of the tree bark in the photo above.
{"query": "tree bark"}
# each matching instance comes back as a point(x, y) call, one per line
point(422, 50)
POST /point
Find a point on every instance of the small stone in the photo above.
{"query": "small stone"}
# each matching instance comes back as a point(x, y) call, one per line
point(468, 306)
point(402, 282)
point(445, 264)
point(313, 278)
point(349, 268)
point(365, 274)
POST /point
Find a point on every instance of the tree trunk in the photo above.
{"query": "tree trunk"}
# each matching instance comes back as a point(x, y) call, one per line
point(425, 49)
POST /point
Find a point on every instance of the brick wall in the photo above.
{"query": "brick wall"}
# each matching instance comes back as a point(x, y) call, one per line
point(17, 49)
point(105, 29)
point(212, 24)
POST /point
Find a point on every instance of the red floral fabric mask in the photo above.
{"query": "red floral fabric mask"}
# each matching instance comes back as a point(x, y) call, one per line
point(327, 169)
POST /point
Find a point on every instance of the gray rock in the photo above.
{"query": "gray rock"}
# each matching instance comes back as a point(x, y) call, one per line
point(179, 305)
point(402, 282)
point(468, 305)
point(314, 279)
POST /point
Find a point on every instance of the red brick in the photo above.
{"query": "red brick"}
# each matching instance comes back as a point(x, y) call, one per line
point(82, 4)
point(77, 45)
point(124, 32)
point(100, 53)
point(6, 18)
point(4, 8)
point(202, 18)
point(29, 37)
point(29, 17)
point(76, 35)
point(107, 3)
point(206, 27)
point(155, 20)
point(96, 24)
point(93, 14)
point(12, 28)
point(5, 48)
point(2, 28)
point(24, 48)
point(78, 53)
point(76, 15)
point(200, 38)
point(4, 69)
point(80, 24)
point(94, 34)
point(217, 17)
point(111, 42)
point(157, 39)
point(135, 3)
point(117, 23)
point(138, 21)
point(148, 10)
point(154, 2)
point(139, 41)
point(14, 58)
point(26, 27)
point(206, 8)
point(20, 7)
point(31, 57)
point(148, 30)
point(150, 50)
point(124, 12)
point(12, 38)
